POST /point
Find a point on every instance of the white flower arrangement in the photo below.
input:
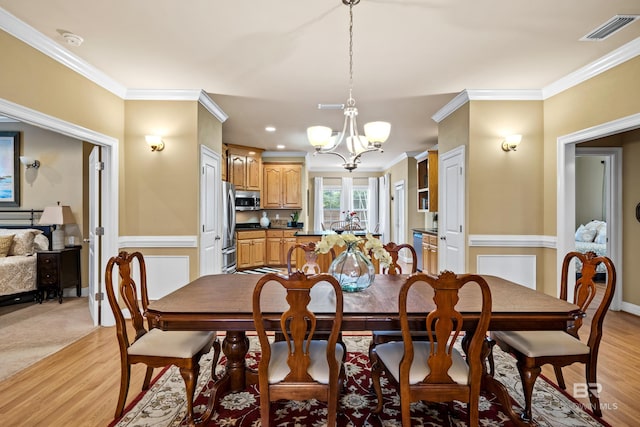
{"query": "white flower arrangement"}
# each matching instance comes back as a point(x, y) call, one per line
point(373, 245)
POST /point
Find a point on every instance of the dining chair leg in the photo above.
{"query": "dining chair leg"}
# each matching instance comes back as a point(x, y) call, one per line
point(216, 357)
point(190, 377)
point(528, 375)
point(147, 378)
point(590, 368)
point(376, 370)
point(559, 377)
point(124, 388)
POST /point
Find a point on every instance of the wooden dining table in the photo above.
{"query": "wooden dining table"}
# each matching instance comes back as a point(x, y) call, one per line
point(223, 302)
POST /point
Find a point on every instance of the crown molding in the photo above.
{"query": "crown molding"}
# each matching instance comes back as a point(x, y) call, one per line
point(486, 95)
point(284, 154)
point(44, 44)
point(178, 95)
point(599, 66)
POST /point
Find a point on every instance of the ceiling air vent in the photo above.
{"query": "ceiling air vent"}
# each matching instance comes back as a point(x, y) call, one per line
point(611, 26)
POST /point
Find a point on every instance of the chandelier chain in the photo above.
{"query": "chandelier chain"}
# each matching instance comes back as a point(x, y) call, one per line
point(351, 102)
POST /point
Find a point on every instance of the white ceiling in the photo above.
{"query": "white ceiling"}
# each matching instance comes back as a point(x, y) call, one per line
point(270, 62)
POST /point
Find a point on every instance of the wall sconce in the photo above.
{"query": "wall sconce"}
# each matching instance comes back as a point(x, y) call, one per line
point(29, 162)
point(155, 142)
point(511, 142)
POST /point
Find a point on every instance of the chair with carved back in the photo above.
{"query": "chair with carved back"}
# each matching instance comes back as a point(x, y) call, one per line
point(153, 347)
point(532, 349)
point(378, 337)
point(434, 370)
point(299, 367)
point(311, 265)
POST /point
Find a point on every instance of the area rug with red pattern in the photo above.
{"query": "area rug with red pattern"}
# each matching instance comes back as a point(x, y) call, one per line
point(163, 405)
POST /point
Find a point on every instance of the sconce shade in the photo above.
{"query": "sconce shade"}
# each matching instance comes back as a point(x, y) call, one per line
point(30, 162)
point(155, 142)
point(511, 142)
point(57, 215)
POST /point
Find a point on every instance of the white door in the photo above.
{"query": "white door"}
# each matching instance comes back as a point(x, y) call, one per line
point(93, 240)
point(399, 208)
point(210, 212)
point(451, 181)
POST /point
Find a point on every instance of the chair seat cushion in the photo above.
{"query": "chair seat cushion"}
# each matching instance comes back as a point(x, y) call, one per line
point(541, 343)
point(391, 353)
point(179, 344)
point(318, 368)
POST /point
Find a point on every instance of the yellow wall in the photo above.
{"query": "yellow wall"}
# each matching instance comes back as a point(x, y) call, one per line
point(609, 96)
point(630, 225)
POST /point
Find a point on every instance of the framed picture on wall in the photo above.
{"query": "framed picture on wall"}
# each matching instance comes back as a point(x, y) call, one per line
point(9, 169)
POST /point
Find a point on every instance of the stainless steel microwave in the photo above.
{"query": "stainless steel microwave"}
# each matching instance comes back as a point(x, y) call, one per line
point(247, 200)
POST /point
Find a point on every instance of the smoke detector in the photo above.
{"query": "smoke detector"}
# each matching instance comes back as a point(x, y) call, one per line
point(71, 38)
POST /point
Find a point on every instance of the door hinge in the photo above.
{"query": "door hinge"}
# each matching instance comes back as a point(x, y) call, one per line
point(99, 231)
point(99, 296)
point(99, 166)
point(461, 229)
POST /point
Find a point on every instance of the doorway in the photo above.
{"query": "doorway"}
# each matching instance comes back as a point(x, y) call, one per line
point(566, 197)
point(108, 185)
point(399, 227)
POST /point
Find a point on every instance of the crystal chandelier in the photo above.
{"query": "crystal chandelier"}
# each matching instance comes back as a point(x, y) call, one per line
point(376, 133)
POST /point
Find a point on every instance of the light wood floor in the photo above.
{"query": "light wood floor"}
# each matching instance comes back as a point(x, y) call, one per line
point(78, 386)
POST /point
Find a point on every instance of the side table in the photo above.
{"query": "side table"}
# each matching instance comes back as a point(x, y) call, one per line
point(58, 269)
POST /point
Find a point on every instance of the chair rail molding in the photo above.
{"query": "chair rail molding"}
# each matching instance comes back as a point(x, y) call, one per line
point(158, 242)
point(512, 241)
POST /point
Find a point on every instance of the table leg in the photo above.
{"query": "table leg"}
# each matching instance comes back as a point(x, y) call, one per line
point(237, 376)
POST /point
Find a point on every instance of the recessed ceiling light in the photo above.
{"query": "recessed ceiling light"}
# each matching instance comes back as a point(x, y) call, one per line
point(280, 147)
point(270, 129)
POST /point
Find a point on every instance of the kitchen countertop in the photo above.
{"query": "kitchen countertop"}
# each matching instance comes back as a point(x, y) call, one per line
point(303, 233)
point(432, 231)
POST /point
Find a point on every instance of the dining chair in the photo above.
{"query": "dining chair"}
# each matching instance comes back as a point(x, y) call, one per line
point(379, 337)
point(300, 367)
point(434, 370)
point(310, 265)
point(153, 347)
point(532, 349)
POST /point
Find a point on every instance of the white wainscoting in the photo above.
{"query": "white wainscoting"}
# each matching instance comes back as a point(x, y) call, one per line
point(165, 273)
point(520, 269)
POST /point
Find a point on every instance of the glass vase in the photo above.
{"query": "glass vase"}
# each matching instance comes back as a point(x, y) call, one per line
point(353, 270)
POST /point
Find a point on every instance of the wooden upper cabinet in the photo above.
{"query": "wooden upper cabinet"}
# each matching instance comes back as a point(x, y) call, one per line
point(225, 163)
point(244, 167)
point(428, 183)
point(282, 186)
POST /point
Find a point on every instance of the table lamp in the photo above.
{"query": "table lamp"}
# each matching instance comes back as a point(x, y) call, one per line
point(57, 216)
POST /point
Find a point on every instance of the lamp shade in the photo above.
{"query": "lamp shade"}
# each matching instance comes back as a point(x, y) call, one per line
point(377, 131)
point(57, 215)
point(318, 135)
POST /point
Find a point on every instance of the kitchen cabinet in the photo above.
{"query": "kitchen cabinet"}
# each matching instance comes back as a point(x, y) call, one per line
point(282, 186)
point(225, 163)
point(428, 183)
point(430, 254)
point(278, 244)
point(244, 167)
point(251, 248)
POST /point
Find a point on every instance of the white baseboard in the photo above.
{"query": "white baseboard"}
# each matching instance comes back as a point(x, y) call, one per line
point(631, 308)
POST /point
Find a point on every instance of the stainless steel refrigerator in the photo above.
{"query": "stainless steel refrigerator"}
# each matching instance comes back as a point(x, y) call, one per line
point(229, 251)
